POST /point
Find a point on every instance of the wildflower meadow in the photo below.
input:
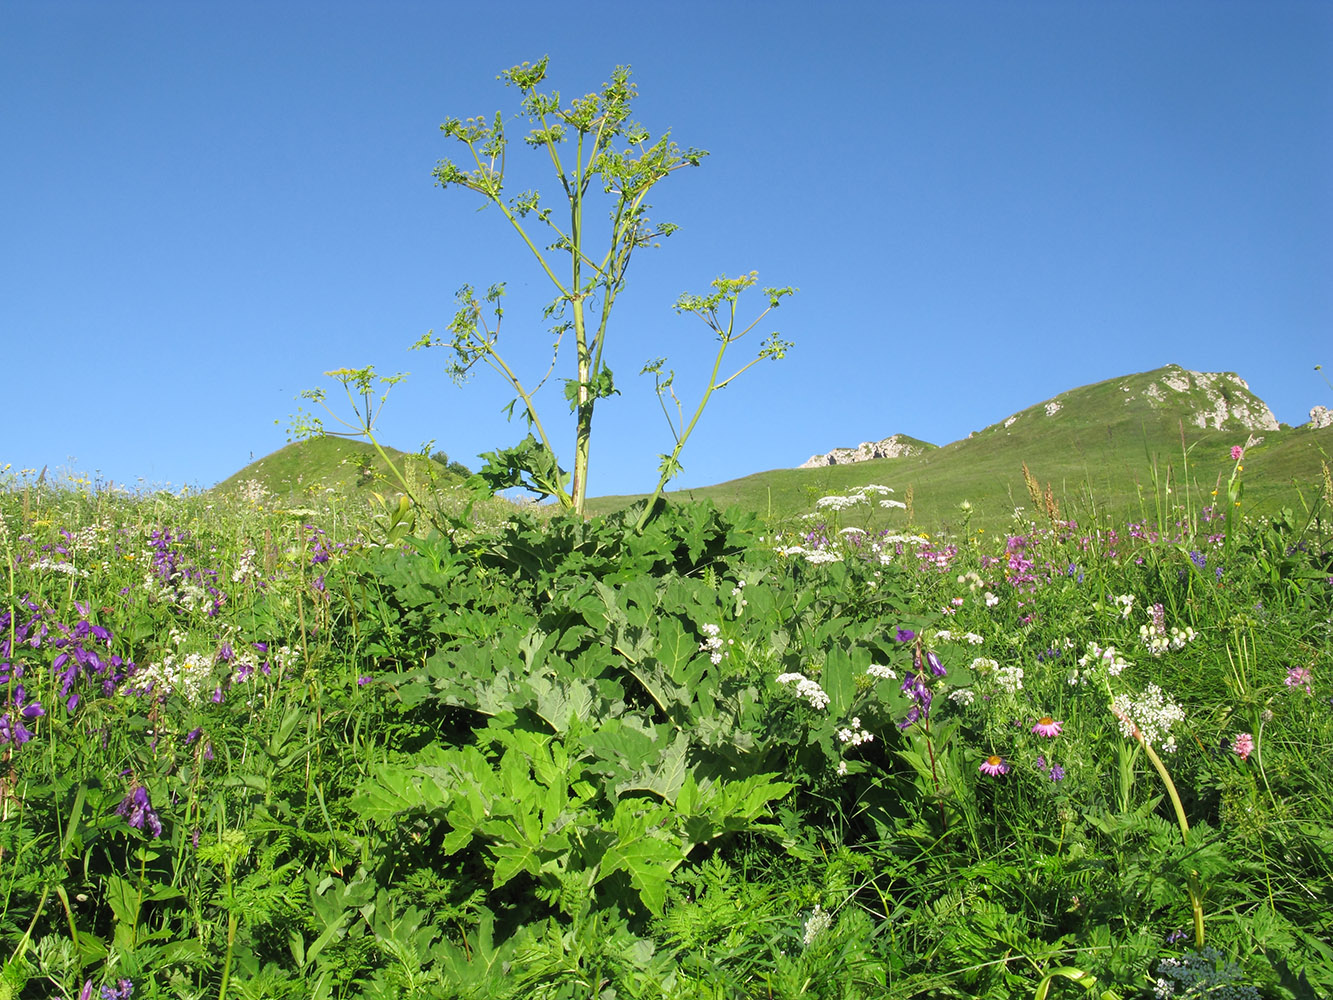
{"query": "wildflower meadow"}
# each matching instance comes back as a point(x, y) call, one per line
point(261, 746)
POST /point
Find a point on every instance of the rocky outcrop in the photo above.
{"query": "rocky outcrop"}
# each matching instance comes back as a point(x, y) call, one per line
point(1320, 417)
point(894, 446)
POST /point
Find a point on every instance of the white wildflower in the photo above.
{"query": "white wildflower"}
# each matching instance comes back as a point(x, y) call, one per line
point(881, 672)
point(973, 639)
point(713, 644)
point(818, 922)
point(962, 696)
point(854, 734)
point(806, 688)
point(991, 600)
point(1010, 678)
point(1150, 716)
point(984, 663)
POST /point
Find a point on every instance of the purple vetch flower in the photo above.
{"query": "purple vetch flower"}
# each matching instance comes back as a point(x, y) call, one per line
point(364, 680)
point(905, 635)
point(225, 653)
point(139, 812)
point(1057, 773)
point(121, 991)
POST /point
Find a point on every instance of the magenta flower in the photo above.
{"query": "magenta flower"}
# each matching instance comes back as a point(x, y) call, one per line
point(1299, 677)
point(1243, 745)
point(1046, 726)
point(1236, 452)
point(994, 766)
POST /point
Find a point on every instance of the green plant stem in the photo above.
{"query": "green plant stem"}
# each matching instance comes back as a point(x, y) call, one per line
point(1196, 904)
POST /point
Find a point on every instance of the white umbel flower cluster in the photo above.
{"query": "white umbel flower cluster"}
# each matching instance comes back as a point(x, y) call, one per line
point(1150, 716)
point(1010, 678)
point(817, 924)
point(807, 689)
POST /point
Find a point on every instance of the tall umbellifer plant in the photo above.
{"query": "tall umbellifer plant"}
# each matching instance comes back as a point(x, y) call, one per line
point(603, 161)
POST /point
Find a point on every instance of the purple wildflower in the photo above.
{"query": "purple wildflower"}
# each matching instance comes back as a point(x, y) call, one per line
point(139, 812)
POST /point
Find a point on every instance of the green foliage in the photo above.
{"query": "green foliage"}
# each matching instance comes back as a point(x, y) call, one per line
point(596, 149)
point(563, 758)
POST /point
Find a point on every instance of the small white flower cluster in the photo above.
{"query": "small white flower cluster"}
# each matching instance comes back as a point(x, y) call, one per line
point(971, 638)
point(983, 663)
point(991, 600)
point(1010, 678)
point(713, 644)
point(68, 568)
point(1097, 659)
point(187, 676)
point(962, 696)
point(1152, 715)
point(246, 566)
point(855, 735)
point(86, 539)
point(1126, 604)
point(840, 502)
point(881, 672)
point(807, 689)
point(814, 556)
point(817, 924)
point(1159, 642)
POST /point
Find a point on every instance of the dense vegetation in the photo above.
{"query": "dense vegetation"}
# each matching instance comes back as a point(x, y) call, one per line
point(258, 750)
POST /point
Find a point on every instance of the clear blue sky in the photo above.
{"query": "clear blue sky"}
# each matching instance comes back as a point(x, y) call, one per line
point(207, 205)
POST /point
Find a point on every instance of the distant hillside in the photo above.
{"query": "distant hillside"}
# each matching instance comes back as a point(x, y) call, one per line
point(349, 467)
point(1095, 444)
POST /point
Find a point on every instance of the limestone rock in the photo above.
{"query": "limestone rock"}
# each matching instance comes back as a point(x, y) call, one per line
point(894, 446)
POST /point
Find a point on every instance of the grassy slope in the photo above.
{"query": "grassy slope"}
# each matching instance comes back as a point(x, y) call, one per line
point(1102, 442)
point(324, 462)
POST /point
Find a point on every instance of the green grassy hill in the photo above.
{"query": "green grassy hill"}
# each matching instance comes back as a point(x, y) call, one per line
point(1100, 441)
point(348, 467)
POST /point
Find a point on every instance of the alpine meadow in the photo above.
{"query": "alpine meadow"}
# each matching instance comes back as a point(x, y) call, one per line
point(1043, 712)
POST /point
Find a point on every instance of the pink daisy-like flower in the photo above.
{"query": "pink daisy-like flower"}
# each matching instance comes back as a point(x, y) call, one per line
point(1243, 745)
point(994, 766)
point(1046, 726)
